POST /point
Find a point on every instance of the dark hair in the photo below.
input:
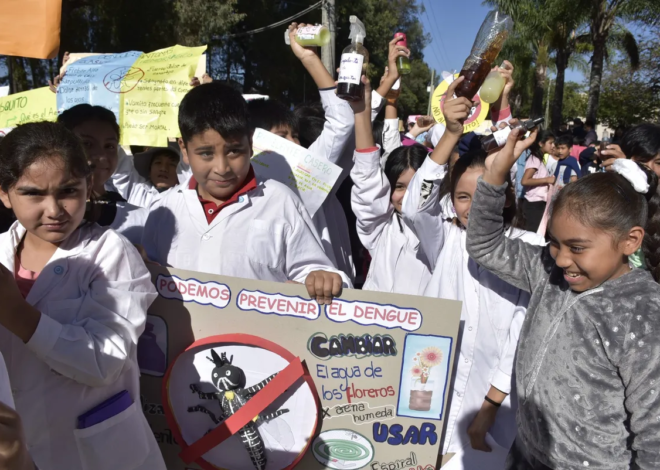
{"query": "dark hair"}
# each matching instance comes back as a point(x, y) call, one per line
point(311, 119)
point(545, 135)
point(166, 151)
point(642, 142)
point(35, 141)
point(73, 117)
point(476, 158)
point(541, 138)
point(590, 123)
point(607, 201)
point(268, 114)
point(214, 106)
point(402, 158)
point(377, 132)
point(566, 140)
point(577, 122)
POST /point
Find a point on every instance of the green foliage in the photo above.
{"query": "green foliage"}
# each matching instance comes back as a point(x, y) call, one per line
point(200, 20)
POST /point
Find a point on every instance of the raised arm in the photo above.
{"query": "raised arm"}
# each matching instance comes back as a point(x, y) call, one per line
point(390, 77)
point(514, 261)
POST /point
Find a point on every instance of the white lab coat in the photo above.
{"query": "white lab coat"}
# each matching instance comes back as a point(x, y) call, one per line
point(397, 263)
point(136, 189)
point(491, 317)
point(5, 388)
point(330, 221)
point(93, 297)
point(267, 235)
point(391, 138)
point(130, 221)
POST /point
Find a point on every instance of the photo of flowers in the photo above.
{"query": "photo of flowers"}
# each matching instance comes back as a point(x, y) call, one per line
point(424, 376)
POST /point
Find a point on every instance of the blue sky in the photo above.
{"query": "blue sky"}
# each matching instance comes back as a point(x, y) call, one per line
point(453, 25)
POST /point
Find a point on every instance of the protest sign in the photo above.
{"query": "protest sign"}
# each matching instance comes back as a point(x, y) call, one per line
point(152, 92)
point(30, 28)
point(371, 390)
point(28, 106)
point(309, 176)
point(95, 80)
point(478, 113)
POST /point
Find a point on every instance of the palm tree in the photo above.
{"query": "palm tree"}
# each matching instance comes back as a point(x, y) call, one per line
point(604, 28)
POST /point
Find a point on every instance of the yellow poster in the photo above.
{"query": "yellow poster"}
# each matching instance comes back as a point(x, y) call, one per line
point(28, 106)
point(478, 113)
point(151, 92)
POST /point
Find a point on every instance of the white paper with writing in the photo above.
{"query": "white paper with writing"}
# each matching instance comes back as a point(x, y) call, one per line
point(350, 70)
point(309, 176)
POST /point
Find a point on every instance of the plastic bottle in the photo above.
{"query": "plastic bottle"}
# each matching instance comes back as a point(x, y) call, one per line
point(492, 88)
point(498, 138)
point(488, 44)
point(353, 64)
point(310, 35)
point(402, 63)
point(395, 91)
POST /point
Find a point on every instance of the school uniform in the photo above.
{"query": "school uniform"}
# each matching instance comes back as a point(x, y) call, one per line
point(491, 317)
point(397, 263)
point(124, 218)
point(134, 188)
point(263, 232)
point(330, 221)
point(93, 296)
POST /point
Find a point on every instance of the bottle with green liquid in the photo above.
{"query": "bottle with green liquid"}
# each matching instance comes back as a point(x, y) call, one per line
point(402, 63)
point(310, 35)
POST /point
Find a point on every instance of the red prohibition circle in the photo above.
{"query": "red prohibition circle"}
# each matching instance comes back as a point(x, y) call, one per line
point(192, 452)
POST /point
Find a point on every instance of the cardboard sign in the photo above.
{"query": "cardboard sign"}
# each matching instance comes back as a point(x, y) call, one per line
point(143, 90)
point(28, 106)
point(478, 113)
point(309, 176)
point(30, 28)
point(377, 366)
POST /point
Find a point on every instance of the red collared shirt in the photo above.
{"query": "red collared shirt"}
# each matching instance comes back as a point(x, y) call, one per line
point(211, 209)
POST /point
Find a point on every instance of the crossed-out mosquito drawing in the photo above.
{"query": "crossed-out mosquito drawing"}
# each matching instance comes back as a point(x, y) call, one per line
point(232, 395)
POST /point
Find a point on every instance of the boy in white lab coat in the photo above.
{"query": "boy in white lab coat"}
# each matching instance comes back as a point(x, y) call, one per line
point(227, 221)
point(13, 450)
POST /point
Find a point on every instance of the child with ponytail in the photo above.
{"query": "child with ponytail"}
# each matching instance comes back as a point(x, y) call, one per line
point(588, 360)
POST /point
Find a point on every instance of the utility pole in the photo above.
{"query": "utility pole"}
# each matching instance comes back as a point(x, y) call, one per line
point(547, 106)
point(328, 20)
point(431, 90)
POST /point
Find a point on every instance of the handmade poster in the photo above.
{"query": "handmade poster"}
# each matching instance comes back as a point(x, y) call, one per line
point(151, 92)
point(309, 176)
point(30, 28)
point(28, 106)
point(478, 113)
point(244, 375)
point(96, 80)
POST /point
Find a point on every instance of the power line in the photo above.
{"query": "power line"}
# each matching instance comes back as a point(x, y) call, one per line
point(442, 44)
point(274, 25)
point(432, 43)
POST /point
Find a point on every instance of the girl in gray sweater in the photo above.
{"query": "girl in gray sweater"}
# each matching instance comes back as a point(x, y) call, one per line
point(588, 364)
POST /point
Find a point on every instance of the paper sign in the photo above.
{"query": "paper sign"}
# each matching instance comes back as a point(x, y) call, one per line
point(152, 92)
point(28, 106)
point(478, 113)
point(309, 176)
point(30, 28)
point(96, 80)
point(383, 391)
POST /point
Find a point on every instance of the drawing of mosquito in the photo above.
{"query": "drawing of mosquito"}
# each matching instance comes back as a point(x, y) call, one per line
point(232, 395)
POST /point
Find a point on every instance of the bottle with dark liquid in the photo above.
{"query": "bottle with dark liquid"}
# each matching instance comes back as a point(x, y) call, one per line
point(353, 64)
point(488, 44)
point(498, 139)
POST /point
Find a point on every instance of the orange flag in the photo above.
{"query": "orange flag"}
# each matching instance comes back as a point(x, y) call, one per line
point(30, 28)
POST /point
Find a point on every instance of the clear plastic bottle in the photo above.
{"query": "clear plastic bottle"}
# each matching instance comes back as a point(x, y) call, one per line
point(353, 64)
point(402, 63)
point(487, 45)
point(498, 138)
point(310, 35)
point(492, 88)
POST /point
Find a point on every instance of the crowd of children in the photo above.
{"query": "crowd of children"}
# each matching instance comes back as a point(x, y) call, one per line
point(554, 257)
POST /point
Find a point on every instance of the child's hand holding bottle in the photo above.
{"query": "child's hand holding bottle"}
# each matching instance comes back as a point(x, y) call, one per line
point(499, 163)
point(455, 110)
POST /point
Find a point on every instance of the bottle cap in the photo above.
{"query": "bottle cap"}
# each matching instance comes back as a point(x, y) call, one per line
point(403, 40)
point(532, 123)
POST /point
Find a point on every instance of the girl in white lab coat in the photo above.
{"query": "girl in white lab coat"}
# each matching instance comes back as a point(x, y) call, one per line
point(98, 129)
point(397, 262)
point(481, 417)
point(74, 300)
